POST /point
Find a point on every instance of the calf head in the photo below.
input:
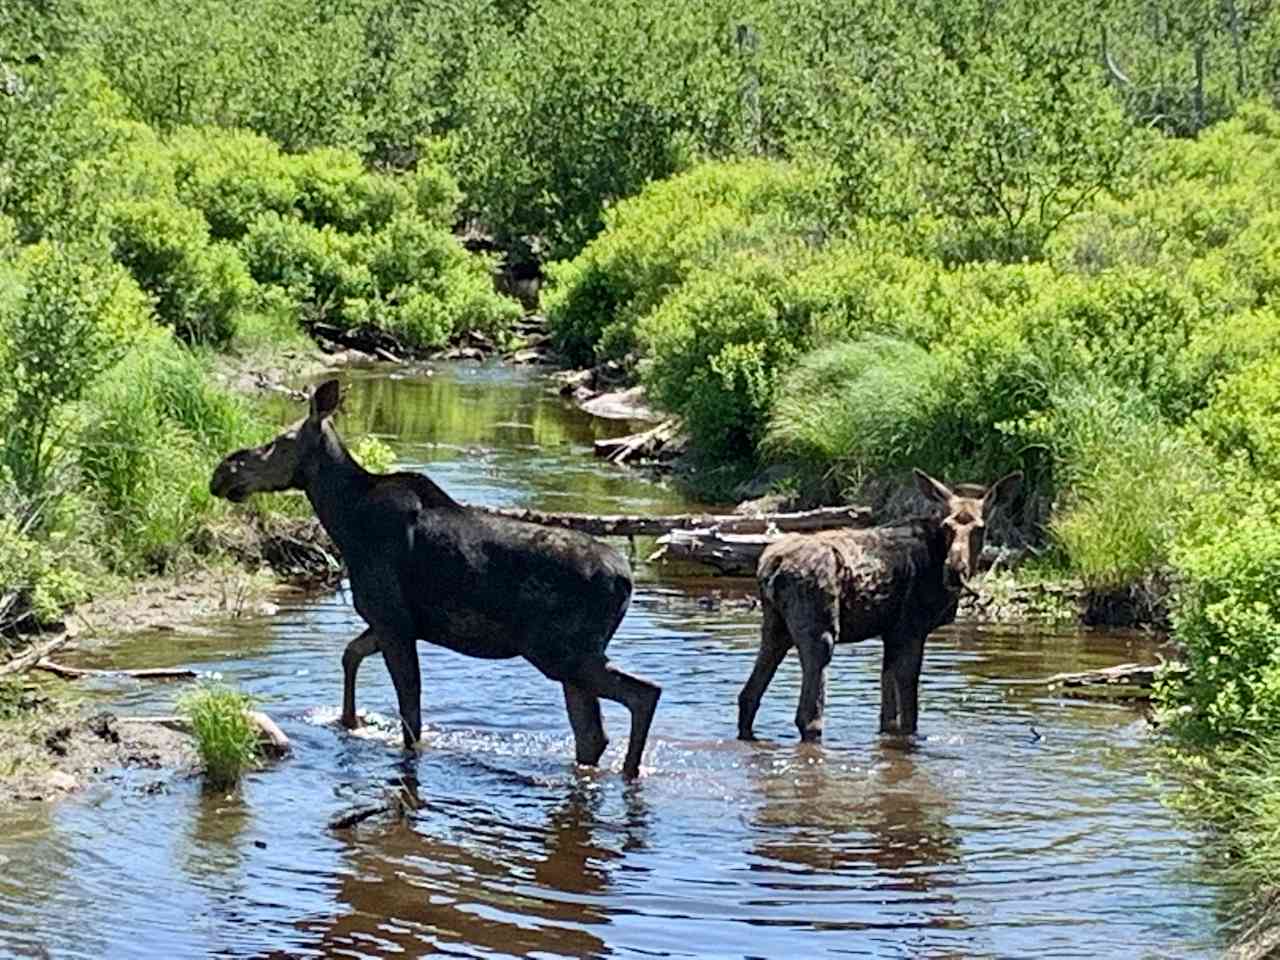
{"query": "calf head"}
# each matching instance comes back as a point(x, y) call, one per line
point(280, 463)
point(964, 526)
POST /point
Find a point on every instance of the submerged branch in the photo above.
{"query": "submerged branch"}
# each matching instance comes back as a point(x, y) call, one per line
point(150, 673)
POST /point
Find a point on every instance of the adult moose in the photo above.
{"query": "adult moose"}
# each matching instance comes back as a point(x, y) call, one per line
point(898, 583)
point(423, 566)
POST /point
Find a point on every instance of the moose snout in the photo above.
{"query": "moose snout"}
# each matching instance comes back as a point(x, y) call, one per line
point(226, 481)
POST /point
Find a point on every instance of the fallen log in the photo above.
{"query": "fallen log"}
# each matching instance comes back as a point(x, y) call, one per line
point(149, 673)
point(732, 554)
point(1126, 674)
point(1124, 681)
point(34, 655)
point(619, 525)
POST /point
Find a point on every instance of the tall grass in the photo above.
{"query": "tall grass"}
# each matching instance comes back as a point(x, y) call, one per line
point(854, 409)
point(151, 435)
point(1129, 478)
point(226, 738)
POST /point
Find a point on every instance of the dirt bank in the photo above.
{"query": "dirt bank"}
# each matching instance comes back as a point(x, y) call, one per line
point(52, 746)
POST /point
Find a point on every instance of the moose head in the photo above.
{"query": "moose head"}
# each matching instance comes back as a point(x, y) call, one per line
point(280, 464)
point(964, 526)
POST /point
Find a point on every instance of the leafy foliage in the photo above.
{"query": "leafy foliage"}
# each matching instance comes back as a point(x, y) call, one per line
point(656, 240)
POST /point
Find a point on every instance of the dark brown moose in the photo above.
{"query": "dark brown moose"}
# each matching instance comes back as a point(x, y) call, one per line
point(898, 583)
point(423, 566)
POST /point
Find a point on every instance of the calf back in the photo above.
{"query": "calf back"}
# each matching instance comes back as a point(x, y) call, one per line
point(876, 581)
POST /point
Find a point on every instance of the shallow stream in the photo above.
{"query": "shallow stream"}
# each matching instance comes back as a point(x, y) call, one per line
point(981, 841)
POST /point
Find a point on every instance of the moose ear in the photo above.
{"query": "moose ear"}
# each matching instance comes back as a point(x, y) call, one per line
point(325, 400)
point(1002, 490)
point(931, 488)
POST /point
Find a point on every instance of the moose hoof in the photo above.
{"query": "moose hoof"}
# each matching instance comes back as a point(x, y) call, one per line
point(351, 722)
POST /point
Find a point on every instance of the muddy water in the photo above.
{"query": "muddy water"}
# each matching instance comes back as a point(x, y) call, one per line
point(982, 841)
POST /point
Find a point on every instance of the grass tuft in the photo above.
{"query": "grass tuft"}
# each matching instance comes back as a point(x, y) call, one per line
point(226, 737)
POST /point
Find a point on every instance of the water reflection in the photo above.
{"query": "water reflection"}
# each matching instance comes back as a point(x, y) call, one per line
point(489, 435)
point(887, 814)
point(511, 888)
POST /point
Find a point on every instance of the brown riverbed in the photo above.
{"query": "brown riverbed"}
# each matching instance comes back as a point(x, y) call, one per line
point(984, 839)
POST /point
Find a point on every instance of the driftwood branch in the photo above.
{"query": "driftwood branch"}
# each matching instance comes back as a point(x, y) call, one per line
point(150, 673)
point(1113, 68)
point(647, 445)
point(270, 736)
point(597, 525)
point(34, 655)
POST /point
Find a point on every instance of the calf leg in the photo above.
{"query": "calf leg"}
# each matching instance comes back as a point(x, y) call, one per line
point(889, 718)
point(900, 684)
point(908, 684)
point(401, 658)
point(815, 655)
point(601, 679)
point(588, 728)
point(356, 651)
point(774, 644)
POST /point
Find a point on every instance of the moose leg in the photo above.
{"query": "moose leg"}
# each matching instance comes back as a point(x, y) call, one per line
point(815, 654)
point(588, 728)
point(602, 679)
point(907, 677)
point(899, 683)
point(774, 644)
point(356, 651)
point(889, 719)
point(401, 658)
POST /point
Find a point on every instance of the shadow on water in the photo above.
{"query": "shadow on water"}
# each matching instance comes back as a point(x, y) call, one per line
point(975, 840)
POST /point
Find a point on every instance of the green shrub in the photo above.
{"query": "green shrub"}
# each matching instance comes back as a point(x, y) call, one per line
point(654, 241)
point(1227, 617)
point(334, 189)
point(314, 266)
point(226, 738)
point(715, 351)
point(1129, 326)
point(66, 315)
point(409, 252)
point(856, 409)
point(44, 574)
point(199, 287)
point(374, 455)
point(1126, 478)
point(435, 191)
point(232, 177)
point(47, 129)
point(1244, 415)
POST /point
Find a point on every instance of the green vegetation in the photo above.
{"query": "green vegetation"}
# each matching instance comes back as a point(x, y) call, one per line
point(226, 738)
point(845, 239)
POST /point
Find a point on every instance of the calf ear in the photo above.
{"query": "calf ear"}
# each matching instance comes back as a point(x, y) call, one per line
point(1002, 490)
point(931, 488)
point(325, 400)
